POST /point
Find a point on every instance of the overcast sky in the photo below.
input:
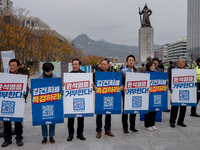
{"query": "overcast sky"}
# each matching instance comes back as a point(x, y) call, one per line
point(116, 21)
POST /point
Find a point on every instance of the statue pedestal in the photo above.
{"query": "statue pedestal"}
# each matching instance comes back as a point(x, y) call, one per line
point(146, 44)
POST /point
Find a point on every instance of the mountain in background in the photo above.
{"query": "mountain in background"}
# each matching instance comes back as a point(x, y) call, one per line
point(104, 48)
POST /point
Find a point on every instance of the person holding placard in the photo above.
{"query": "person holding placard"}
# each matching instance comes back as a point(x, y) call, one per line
point(104, 67)
point(130, 61)
point(47, 73)
point(174, 109)
point(149, 119)
point(14, 65)
point(76, 65)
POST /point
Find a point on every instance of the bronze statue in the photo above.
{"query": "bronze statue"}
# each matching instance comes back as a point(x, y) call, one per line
point(146, 13)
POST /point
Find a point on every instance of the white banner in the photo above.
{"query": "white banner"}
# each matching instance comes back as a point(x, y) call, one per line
point(6, 56)
point(137, 96)
point(184, 88)
point(78, 95)
point(12, 90)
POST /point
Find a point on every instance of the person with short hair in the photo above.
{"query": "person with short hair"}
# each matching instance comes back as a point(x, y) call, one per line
point(98, 67)
point(130, 61)
point(76, 65)
point(149, 119)
point(156, 63)
point(107, 127)
point(47, 73)
point(14, 65)
point(174, 109)
point(142, 69)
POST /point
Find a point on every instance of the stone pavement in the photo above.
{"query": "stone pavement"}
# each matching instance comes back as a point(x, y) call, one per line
point(165, 138)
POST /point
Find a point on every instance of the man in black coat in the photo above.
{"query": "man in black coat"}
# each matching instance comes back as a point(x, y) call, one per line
point(171, 66)
point(107, 127)
point(14, 65)
point(76, 65)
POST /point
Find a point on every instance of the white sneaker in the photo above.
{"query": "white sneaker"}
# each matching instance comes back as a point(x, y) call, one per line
point(154, 128)
point(149, 129)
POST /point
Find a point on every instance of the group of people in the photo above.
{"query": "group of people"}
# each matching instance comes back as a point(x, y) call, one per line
point(149, 119)
point(112, 68)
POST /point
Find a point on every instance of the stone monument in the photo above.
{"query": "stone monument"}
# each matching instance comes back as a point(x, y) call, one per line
point(146, 37)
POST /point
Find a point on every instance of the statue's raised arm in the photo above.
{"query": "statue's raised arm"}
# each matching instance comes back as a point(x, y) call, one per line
point(146, 12)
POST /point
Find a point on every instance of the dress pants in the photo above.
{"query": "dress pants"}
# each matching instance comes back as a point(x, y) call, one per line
point(194, 108)
point(99, 123)
point(8, 128)
point(125, 119)
point(150, 119)
point(174, 112)
point(80, 123)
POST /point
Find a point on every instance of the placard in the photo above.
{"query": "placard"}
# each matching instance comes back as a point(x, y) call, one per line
point(137, 95)
point(108, 95)
point(158, 91)
point(184, 87)
point(78, 95)
point(47, 101)
point(12, 91)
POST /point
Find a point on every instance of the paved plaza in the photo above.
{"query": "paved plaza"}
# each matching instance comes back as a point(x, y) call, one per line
point(165, 138)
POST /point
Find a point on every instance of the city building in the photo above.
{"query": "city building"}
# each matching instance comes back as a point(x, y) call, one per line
point(6, 5)
point(193, 30)
point(162, 53)
point(172, 51)
point(37, 26)
point(35, 23)
point(177, 50)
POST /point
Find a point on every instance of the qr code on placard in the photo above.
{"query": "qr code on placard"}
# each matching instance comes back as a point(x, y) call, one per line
point(157, 99)
point(79, 103)
point(48, 111)
point(184, 95)
point(108, 102)
point(137, 101)
point(8, 107)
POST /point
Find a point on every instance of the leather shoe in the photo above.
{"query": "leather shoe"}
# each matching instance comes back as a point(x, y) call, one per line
point(81, 137)
point(194, 115)
point(51, 140)
point(6, 143)
point(134, 130)
point(172, 125)
point(109, 133)
point(20, 143)
point(126, 131)
point(70, 137)
point(182, 124)
point(98, 134)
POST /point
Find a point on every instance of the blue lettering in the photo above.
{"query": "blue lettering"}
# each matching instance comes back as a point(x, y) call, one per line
point(184, 85)
point(137, 91)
